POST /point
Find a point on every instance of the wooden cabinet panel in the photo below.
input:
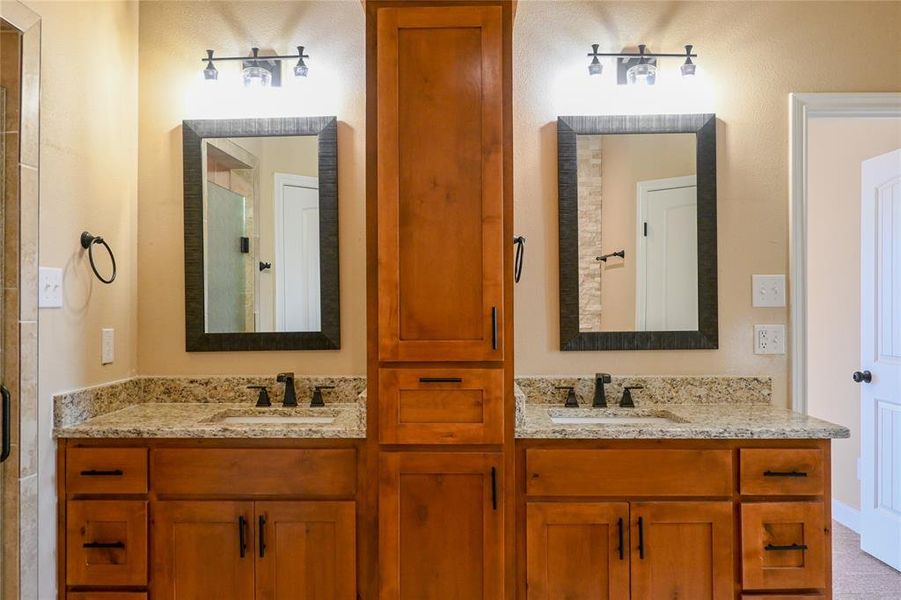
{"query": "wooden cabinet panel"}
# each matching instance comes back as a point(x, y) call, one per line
point(577, 551)
point(198, 552)
point(660, 473)
point(106, 542)
point(784, 545)
point(254, 472)
point(784, 597)
point(781, 472)
point(306, 551)
point(441, 524)
point(682, 550)
point(441, 406)
point(440, 184)
point(106, 471)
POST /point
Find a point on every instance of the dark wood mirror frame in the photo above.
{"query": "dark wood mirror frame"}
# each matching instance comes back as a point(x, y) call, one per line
point(707, 334)
point(193, 134)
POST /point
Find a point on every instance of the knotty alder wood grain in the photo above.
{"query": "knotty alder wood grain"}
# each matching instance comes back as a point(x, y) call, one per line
point(106, 471)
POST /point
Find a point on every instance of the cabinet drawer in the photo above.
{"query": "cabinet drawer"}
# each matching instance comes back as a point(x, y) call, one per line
point(106, 542)
point(106, 596)
point(254, 472)
point(441, 406)
point(106, 470)
point(783, 545)
point(782, 472)
point(687, 473)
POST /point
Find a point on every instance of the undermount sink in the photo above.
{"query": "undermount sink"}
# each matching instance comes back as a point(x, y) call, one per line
point(276, 420)
point(589, 417)
point(623, 420)
point(276, 416)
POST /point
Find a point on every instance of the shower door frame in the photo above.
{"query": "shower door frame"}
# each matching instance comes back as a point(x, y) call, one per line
point(20, 321)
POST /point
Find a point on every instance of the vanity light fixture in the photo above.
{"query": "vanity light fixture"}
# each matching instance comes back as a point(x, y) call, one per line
point(641, 66)
point(258, 71)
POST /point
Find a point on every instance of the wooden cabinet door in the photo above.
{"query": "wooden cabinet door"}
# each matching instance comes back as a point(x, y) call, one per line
point(440, 183)
point(441, 524)
point(578, 551)
point(682, 550)
point(198, 550)
point(306, 551)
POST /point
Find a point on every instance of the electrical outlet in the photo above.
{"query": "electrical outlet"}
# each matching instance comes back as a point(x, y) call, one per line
point(107, 346)
point(50, 287)
point(769, 339)
point(768, 291)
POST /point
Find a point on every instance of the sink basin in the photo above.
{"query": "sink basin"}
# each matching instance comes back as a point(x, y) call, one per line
point(276, 416)
point(276, 420)
point(617, 420)
point(610, 416)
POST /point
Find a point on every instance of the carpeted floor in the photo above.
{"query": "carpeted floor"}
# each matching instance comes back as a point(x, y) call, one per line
point(859, 576)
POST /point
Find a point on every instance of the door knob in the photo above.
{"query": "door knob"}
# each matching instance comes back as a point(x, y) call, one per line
point(862, 377)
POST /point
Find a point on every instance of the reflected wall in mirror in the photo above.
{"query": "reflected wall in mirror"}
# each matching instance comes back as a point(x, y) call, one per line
point(637, 232)
point(261, 239)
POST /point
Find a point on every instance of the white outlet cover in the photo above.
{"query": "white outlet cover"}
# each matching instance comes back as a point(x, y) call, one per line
point(107, 346)
point(768, 291)
point(50, 287)
point(769, 339)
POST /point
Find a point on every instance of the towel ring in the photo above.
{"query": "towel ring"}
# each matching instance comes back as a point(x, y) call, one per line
point(87, 242)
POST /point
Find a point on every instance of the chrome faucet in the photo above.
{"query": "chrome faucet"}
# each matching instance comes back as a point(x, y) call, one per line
point(290, 398)
point(600, 399)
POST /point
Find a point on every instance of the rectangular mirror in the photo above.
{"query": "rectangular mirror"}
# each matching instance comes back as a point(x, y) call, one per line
point(261, 234)
point(637, 232)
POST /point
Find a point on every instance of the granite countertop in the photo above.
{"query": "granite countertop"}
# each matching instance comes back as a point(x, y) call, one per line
point(687, 421)
point(203, 420)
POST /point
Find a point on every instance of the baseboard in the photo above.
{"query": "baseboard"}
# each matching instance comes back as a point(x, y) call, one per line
point(846, 515)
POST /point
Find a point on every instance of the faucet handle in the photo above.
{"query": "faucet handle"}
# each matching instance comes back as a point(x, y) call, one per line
point(627, 401)
point(571, 401)
point(263, 400)
point(603, 377)
point(317, 394)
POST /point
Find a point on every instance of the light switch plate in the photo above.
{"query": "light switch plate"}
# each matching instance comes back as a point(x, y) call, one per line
point(107, 346)
point(50, 287)
point(769, 339)
point(768, 291)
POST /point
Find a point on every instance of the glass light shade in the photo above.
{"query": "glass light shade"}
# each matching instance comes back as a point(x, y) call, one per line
point(300, 69)
point(595, 68)
point(257, 77)
point(211, 73)
point(644, 73)
point(688, 69)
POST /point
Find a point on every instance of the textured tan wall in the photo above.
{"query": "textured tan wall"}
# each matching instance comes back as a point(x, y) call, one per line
point(753, 55)
point(173, 38)
point(88, 179)
point(837, 147)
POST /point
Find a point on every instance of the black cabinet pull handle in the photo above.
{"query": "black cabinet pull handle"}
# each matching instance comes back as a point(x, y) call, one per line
point(640, 538)
point(775, 548)
point(103, 545)
point(493, 488)
point(784, 474)
point(7, 424)
point(494, 328)
point(621, 549)
point(242, 536)
point(440, 380)
point(262, 524)
point(103, 473)
point(520, 258)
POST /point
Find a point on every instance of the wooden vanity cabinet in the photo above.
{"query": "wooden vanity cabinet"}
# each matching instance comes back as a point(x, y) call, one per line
point(710, 520)
point(245, 519)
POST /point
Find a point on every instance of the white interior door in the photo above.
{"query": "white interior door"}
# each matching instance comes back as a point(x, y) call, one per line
point(880, 354)
point(297, 305)
point(666, 275)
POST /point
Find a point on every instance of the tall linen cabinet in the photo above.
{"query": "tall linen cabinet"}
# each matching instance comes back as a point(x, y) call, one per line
point(440, 302)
